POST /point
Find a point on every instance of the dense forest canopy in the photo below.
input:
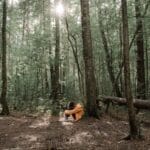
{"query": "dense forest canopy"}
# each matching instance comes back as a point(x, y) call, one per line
point(31, 44)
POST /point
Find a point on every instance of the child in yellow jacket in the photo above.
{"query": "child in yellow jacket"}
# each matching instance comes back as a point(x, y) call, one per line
point(76, 110)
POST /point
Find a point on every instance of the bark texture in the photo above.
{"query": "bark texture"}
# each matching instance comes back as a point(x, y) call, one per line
point(90, 80)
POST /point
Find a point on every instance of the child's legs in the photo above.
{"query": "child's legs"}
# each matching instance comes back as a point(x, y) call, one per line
point(66, 116)
point(78, 116)
point(74, 116)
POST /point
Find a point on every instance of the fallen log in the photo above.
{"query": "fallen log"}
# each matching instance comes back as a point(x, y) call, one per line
point(138, 103)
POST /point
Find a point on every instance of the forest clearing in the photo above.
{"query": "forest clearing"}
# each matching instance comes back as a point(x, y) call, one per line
point(75, 75)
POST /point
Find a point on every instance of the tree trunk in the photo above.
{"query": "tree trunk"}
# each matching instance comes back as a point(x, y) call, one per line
point(57, 55)
point(141, 89)
point(138, 103)
point(51, 65)
point(128, 93)
point(90, 80)
point(24, 21)
point(56, 87)
point(147, 65)
point(120, 75)
point(75, 50)
point(45, 58)
point(5, 109)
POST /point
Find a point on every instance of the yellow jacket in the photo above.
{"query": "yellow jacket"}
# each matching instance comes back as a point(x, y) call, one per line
point(78, 111)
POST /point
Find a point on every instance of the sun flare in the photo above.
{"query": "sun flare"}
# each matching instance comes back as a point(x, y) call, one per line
point(59, 9)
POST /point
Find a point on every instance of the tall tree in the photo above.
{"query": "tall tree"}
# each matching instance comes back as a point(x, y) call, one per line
point(141, 88)
point(128, 93)
point(55, 85)
point(5, 109)
point(90, 80)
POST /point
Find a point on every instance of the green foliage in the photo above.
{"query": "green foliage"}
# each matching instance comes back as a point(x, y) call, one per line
point(31, 46)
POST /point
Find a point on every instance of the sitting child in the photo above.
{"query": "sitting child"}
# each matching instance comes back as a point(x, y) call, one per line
point(74, 110)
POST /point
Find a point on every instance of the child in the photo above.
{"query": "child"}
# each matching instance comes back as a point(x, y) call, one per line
point(76, 110)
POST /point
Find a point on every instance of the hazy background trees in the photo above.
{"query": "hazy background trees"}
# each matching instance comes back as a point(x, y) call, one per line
point(31, 50)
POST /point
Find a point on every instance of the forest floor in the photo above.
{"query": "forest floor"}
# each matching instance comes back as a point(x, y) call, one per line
point(43, 132)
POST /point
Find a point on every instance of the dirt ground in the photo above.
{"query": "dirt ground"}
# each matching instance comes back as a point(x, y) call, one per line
point(43, 132)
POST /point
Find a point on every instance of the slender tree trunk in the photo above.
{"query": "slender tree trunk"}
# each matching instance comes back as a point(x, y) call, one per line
point(56, 87)
point(147, 64)
point(128, 93)
point(51, 65)
point(37, 79)
point(75, 50)
point(52, 71)
point(57, 57)
point(5, 109)
point(24, 22)
point(120, 61)
point(90, 80)
point(45, 58)
point(141, 89)
point(109, 62)
point(133, 39)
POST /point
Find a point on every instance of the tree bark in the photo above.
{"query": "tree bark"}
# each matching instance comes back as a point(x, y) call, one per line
point(147, 65)
point(5, 109)
point(128, 93)
point(90, 80)
point(141, 88)
point(56, 86)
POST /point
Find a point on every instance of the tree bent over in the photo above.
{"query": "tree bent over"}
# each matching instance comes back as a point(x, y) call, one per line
point(131, 113)
point(5, 109)
point(90, 81)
